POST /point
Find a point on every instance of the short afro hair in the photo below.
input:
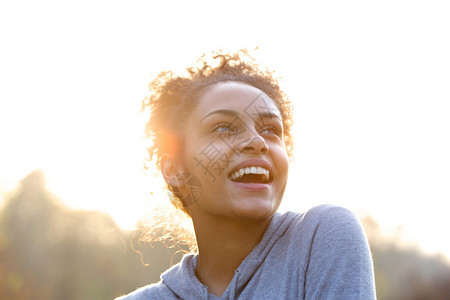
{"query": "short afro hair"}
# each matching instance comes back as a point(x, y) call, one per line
point(172, 97)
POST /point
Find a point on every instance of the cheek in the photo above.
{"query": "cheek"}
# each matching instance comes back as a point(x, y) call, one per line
point(280, 154)
point(281, 161)
point(208, 159)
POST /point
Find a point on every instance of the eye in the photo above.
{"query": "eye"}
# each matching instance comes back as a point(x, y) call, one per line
point(223, 127)
point(270, 130)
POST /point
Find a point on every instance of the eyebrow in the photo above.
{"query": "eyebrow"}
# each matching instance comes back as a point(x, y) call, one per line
point(233, 113)
point(226, 112)
point(269, 115)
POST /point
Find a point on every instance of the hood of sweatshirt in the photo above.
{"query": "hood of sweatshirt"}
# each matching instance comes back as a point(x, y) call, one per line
point(182, 281)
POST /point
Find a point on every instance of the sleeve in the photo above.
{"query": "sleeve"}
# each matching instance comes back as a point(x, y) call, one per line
point(340, 263)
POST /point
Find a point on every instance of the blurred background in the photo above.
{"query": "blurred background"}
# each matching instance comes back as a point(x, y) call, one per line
point(369, 82)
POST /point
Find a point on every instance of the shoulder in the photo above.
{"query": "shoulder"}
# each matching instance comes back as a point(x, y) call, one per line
point(172, 283)
point(152, 291)
point(327, 232)
point(324, 230)
point(326, 212)
point(326, 217)
point(330, 224)
point(339, 262)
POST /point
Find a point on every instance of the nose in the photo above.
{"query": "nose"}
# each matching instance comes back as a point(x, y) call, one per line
point(254, 143)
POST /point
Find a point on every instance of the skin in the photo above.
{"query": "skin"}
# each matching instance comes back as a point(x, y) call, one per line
point(245, 127)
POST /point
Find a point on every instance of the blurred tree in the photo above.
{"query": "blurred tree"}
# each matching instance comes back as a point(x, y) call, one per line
point(50, 252)
point(406, 273)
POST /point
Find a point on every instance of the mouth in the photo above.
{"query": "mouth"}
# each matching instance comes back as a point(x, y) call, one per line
point(251, 174)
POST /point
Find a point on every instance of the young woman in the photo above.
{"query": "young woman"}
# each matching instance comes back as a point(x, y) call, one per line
point(221, 138)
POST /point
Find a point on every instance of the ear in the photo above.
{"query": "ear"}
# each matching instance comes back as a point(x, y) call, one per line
point(171, 170)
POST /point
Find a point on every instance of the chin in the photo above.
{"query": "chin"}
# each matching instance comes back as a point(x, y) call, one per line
point(257, 212)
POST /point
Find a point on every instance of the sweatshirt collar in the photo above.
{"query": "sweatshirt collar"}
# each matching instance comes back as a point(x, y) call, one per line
point(181, 278)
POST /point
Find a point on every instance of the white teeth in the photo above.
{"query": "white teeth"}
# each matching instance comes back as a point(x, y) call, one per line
point(266, 174)
point(250, 170)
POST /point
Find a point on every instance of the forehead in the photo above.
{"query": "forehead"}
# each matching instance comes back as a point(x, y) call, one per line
point(236, 96)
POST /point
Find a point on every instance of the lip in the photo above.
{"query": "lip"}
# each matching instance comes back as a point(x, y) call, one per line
point(251, 186)
point(254, 162)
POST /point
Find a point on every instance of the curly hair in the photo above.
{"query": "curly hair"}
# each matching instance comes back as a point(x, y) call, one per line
point(173, 97)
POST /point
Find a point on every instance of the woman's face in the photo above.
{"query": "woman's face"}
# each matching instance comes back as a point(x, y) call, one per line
point(233, 144)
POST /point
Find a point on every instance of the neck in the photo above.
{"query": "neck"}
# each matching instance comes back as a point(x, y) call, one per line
point(223, 244)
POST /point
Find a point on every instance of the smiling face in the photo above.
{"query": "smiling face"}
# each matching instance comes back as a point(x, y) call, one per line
point(233, 143)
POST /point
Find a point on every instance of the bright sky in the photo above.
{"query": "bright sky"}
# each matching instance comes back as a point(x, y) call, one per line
point(370, 81)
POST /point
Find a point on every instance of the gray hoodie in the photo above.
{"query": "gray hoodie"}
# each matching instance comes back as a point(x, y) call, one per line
point(320, 254)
